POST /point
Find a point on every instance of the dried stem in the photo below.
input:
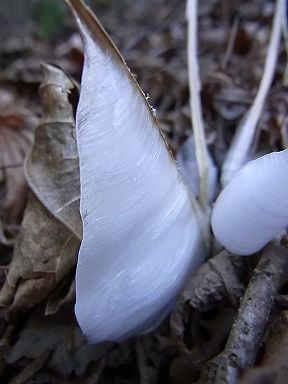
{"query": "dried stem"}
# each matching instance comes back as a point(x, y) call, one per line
point(195, 102)
point(231, 43)
point(253, 315)
point(242, 143)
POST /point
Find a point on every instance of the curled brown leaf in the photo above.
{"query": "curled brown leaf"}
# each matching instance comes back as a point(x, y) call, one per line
point(52, 168)
point(16, 134)
point(44, 253)
point(204, 312)
point(47, 245)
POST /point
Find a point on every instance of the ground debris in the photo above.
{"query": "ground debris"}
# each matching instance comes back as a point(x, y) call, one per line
point(40, 342)
point(204, 312)
point(48, 242)
point(17, 124)
point(252, 317)
point(272, 367)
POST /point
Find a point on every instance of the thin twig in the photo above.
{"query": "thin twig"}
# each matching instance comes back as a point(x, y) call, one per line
point(195, 102)
point(230, 45)
point(242, 143)
point(252, 317)
point(226, 13)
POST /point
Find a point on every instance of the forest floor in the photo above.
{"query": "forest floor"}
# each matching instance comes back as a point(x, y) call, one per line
point(40, 341)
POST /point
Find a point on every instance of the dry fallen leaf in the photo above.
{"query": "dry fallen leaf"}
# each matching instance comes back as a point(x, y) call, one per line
point(16, 134)
point(31, 369)
point(46, 249)
point(64, 293)
point(154, 45)
point(52, 168)
point(203, 314)
point(59, 334)
point(44, 253)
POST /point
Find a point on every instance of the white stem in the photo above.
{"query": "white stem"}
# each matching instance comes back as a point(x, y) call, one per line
point(195, 102)
point(242, 143)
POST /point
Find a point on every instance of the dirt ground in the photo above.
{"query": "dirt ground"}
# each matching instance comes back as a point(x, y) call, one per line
point(40, 341)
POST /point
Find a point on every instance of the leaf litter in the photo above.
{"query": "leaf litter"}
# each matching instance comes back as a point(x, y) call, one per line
point(40, 262)
point(17, 124)
point(40, 340)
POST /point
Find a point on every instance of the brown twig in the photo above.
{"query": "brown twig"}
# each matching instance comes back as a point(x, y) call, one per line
point(253, 315)
point(231, 43)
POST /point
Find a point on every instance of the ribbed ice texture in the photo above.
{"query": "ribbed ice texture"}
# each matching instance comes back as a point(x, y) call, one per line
point(253, 207)
point(141, 238)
